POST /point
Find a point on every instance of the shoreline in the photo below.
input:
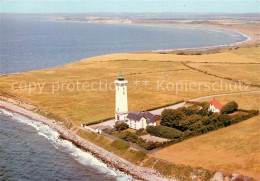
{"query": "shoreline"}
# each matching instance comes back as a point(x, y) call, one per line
point(110, 159)
point(137, 172)
point(249, 38)
point(99, 152)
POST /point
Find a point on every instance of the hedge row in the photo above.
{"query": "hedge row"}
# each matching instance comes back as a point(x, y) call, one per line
point(131, 137)
point(210, 123)
point(99, 121)
point(164, 132)
point(166, 105)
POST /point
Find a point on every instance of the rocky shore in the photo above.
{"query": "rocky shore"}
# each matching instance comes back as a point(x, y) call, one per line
point(137, 172)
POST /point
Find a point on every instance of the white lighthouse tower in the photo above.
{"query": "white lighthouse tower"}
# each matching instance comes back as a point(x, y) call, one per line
point(121, 99)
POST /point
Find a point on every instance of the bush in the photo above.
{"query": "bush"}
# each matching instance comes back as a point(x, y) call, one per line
point(121, 126)
point(99, 121)
point(172, 118)
point(140, 155)
point(128, 136)
point(108, 130)
point(230, 107)
point(164, 132)
point(225, 119)
point(189, 111)
point(195, 126)
point(187, 133)
point(243, 116)
point(181, 53)
point(141, 132)
point(120, 145)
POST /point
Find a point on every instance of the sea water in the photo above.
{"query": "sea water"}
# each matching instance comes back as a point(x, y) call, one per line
point(30, 42)
point(30, 150)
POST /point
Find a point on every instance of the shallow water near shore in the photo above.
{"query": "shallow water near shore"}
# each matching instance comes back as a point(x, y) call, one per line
point(30, 150)
point(31, 42)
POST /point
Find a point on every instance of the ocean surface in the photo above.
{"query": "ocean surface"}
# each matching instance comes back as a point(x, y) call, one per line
point(30, 42)
point(30, 150)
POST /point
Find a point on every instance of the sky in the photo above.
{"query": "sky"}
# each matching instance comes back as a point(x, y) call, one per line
point(131, 6)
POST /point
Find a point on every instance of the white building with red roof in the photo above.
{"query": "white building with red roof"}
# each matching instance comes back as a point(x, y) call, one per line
point(215, 106)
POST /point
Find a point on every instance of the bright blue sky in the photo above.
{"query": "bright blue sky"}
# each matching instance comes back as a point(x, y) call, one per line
point(85, 6)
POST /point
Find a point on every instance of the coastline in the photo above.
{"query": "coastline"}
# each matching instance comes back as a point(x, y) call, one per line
point(140, 173)
point(100, 153)
point(249, 36)
point(110, 159)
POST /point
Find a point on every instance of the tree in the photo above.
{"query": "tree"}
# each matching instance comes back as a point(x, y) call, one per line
point(225, 119)
point(189, 111)
point(230, 107)
point(121, 126)
point(172, 118)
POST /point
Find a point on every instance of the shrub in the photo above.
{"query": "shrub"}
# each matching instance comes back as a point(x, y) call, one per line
point(187, 133)
point(164, 132)
point(181, 53)
point(243, 116)
point(205, 120)
point(164, 168)
point(128, 136)
point(141, 132)
point(120, 145)
point(99, 121)
point(172, 118)
point(230, 107)
point(225, 119)
point(140, 155)
point(121, 126)
point(189, 111)
point(108, 130)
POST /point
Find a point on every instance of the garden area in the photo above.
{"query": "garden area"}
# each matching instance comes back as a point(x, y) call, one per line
point(183, 123)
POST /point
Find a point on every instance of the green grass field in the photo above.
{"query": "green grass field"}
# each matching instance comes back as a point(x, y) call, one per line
point(82, 105)
point(232, 149)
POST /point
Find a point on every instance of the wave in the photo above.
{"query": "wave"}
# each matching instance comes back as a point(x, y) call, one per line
point(83, 157)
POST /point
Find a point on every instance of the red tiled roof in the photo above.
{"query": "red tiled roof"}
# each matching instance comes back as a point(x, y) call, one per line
point(216, 104)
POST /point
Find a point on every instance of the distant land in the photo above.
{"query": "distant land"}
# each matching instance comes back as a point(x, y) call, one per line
point(247, 24)
point(231, 153)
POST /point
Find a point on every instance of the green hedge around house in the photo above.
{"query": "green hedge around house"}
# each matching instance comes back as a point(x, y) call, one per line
point(230, 107)
point(164, 132)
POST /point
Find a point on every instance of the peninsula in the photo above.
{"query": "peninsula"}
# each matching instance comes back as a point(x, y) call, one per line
point(61, 97)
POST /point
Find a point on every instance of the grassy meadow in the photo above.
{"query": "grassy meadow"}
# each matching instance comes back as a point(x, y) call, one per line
point(161, 79)
point(232, 149)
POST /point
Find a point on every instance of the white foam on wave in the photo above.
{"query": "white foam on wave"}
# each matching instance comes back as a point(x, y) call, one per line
point(83, 157)
point(5, 112)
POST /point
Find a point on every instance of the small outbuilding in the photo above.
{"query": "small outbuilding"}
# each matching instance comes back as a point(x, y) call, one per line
point(215, 106)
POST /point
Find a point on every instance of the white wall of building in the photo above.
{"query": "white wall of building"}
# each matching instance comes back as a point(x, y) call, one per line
point(121, 100)
point(213, 109)
point(139, 124)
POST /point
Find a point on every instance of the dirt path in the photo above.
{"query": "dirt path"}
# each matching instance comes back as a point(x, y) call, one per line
point(215, 75)
point(176, 106)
